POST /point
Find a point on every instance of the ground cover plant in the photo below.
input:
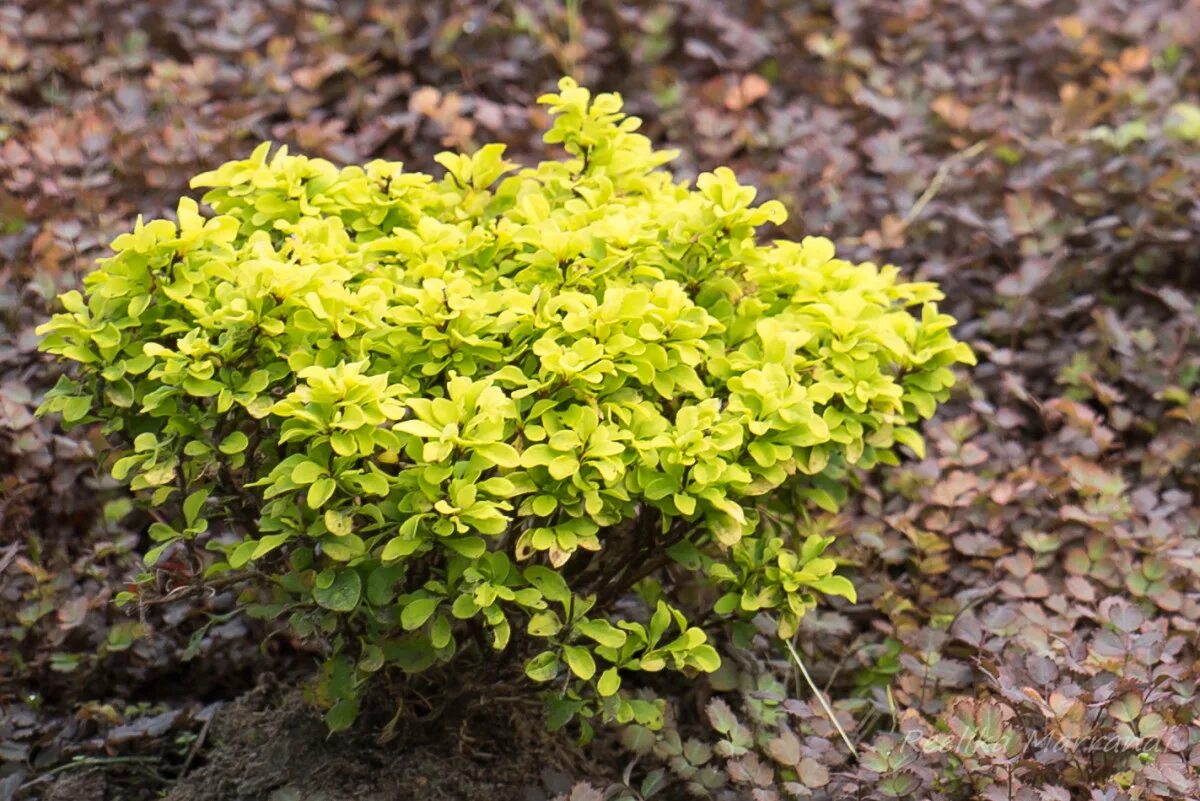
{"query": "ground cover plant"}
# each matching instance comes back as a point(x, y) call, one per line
point(1026, 611)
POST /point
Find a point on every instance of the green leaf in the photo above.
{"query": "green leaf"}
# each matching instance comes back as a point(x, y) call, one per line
point(202, 388)
point(544, 624)
point(909, 437)
point(687, 555)
point(381, 582)
point(543, 667)
point(124, 466)
point(647, 713)
point(399, 547)
point(193, 505)
point(339, 523)
point(836, 585)
point(373, 483)
point(120, 393)
point(320, 491)
point(580, 660)
point(500, 454)
point(609, 683)
point(659, 622)
point(307, 472)
point(266, 544)
point(544, 505)
point(372, 658)
point(654, 782)
point(470, 547)
point(705, 658)
point(440, 634)
point(342, 594)
point(821, 498)
point(659, 487)
point(417, 611)
point(637, 738)
point(602, 632)
point(344, 548)
point(234, 443)
point(563, 467)
point(464, 607)
point(550, 584)
point(75, 409)
point(561, 711)
point(154, 554)
point(341, 715)
point(498, 486)
point(242, 554)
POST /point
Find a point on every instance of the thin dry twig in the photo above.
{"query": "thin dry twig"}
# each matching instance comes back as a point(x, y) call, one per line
point(939, 178)
point(90, 762)
point(820, 697)
point(8, 554)
point(196, 746)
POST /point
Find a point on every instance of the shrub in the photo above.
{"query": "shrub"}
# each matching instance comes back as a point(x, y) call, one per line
point(438, 418)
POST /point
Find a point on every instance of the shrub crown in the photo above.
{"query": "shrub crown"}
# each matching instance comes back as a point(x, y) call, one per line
point(448, 416)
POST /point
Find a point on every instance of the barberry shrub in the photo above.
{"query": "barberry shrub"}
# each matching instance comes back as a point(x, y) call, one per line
point(545, 417)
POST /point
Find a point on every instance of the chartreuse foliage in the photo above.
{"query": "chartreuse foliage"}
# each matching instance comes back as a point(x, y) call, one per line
point(450, 416)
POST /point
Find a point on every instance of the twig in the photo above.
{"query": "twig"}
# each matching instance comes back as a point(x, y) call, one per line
point(90, 762)
point(196, 746)
point(209, 586)
point(574, 43)
point(8, 555)
point(939, 178)
point(820, 697)
point(837, 669)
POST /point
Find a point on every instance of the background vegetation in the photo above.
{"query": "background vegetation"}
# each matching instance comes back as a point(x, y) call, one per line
point(1030, 586)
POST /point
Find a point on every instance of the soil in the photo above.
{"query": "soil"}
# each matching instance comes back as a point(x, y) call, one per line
point(270, 745)
point(79, 787)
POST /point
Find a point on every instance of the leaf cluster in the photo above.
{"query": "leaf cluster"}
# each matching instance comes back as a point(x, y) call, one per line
point(469, 414)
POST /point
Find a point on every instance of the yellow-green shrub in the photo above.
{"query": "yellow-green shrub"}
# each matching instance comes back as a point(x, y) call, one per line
point(451, 415)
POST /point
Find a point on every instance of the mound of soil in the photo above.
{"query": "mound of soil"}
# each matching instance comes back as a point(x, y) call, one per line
point(82, 787)
point(272, 746)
